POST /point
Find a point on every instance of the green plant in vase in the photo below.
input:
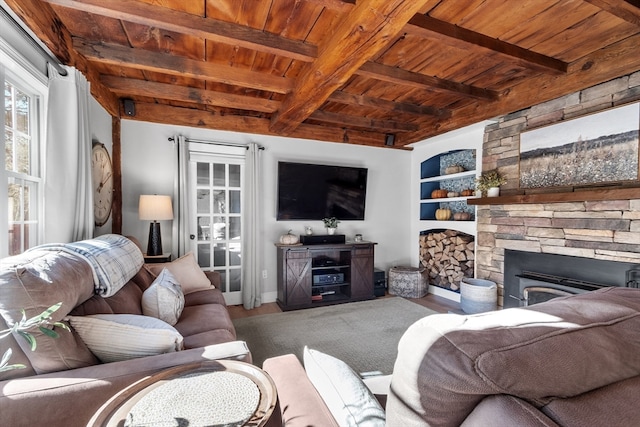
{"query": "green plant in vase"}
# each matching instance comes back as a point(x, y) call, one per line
point(489, 183)
point(331, 224)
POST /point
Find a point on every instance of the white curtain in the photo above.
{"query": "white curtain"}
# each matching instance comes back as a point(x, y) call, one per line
point(181, 232)
point(252, 230)
point(68, 198)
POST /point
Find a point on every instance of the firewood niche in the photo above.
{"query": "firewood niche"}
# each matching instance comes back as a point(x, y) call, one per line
point(447, 256)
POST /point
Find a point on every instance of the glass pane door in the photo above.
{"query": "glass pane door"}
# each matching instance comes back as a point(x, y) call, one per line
point(218, 221)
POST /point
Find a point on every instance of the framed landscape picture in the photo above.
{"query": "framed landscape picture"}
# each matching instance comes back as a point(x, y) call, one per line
point(598, 148)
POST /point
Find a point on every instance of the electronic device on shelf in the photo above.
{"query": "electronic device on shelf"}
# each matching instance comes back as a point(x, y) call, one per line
point(328, 278)
point(324, 261)
point(321, 239)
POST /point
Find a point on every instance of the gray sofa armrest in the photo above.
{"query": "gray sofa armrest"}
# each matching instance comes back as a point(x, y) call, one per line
point(300, 403)
point(70, 398)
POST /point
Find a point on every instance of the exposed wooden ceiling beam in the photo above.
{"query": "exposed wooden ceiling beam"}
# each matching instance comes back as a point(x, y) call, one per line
point(198, 26)
point(158, 113)
point(396, 75)
point(362, 122)
point(399, 107)
point(233, 34)
point(617, 59)
point(366, 29)
point(426, 26)
point(423, 25)
point(180, 66)
point(41, 19)
point(626, 10)
point(136, 87)
point(339, 5)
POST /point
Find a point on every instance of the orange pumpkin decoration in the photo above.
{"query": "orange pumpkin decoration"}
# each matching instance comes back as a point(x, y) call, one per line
point(462, 216)
point(466, 193)
point(443, 214)
point(438, 194)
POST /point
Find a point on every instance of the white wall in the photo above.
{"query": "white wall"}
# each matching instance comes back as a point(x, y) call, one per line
point(148, 165)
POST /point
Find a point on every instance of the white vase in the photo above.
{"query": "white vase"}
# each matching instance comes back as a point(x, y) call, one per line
point(331, 231)
point(493, 192)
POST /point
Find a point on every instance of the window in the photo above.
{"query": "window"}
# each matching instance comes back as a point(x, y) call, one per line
point(21, 176)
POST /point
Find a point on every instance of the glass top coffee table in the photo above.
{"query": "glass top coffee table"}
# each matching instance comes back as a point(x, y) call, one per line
point(208, 393)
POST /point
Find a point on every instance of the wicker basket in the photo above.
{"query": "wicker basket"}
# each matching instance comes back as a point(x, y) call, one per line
point(478, 295)
point(407, 282)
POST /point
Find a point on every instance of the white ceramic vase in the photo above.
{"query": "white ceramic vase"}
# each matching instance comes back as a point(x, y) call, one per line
point(493, 192)
point(331, 231)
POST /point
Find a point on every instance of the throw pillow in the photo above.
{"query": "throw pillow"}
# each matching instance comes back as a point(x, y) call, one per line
point(164, 298)
point(115, 337)
point(350, 401)
point(186, 271)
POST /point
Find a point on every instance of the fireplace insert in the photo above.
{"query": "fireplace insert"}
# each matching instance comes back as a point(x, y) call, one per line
point(531, 278)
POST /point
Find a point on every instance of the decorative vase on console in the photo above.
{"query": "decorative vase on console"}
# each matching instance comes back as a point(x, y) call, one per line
point(331, 224)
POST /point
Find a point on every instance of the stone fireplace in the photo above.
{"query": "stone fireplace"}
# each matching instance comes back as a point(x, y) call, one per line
point(604, 229)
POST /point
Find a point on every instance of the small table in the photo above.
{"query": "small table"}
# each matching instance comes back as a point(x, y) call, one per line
point(220, 392)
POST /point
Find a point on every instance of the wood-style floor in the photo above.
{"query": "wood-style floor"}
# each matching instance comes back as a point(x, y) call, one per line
point(436, 303)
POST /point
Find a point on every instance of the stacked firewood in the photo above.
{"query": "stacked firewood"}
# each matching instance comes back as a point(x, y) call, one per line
point(447, 256)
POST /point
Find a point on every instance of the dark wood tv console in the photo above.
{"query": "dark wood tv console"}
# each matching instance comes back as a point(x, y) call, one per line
point(315, 275)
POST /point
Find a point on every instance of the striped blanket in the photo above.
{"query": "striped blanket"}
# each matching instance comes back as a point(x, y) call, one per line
point(113, 258)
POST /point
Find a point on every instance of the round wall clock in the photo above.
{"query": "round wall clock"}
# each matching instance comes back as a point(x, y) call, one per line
point(102, 178)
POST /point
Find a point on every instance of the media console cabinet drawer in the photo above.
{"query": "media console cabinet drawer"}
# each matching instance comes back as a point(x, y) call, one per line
point(363, 250)
point(297, 254)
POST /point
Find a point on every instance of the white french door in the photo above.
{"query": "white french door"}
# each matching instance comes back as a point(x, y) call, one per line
point(216, 218)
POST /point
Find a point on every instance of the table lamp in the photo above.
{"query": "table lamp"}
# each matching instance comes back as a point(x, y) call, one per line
point(155, 208)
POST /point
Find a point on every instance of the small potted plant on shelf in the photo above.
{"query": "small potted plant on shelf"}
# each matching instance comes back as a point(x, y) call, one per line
point(331, 224)
point(489, 183)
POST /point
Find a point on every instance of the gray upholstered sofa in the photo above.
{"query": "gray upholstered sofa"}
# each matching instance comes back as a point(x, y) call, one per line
point(64, 383)
point(571, 361)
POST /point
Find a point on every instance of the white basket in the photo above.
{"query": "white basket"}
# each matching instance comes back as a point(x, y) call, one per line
point(478, 295)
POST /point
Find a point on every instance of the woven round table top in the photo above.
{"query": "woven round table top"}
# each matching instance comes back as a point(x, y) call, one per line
point(208, 393)
point(198, 399)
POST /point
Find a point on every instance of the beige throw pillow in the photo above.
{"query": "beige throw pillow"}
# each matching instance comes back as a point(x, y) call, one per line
point(115, 337)
point(164, 298)
point(186, 271)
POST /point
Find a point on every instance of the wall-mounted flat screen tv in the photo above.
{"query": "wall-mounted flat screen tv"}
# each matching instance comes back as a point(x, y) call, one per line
point(312, 192)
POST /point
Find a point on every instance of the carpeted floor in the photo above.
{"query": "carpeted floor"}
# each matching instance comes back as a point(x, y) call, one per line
point(363, 334)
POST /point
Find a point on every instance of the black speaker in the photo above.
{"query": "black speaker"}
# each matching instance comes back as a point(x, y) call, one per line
point(379, 282)
point(129, 107)
point(389, 139)
point(318, 239)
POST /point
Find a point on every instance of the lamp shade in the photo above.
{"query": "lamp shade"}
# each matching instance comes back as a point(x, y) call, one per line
point(155, 207)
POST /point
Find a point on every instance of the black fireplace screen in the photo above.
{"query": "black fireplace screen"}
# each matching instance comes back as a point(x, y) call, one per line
point(530, 278)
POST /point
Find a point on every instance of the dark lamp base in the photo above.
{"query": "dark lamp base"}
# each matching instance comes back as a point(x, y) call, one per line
point(155, 240)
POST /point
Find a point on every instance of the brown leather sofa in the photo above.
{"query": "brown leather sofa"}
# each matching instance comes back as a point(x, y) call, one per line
point(63, 383)
point(571, 361)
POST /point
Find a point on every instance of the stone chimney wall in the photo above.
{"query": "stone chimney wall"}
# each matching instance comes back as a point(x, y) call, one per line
point(608, 229)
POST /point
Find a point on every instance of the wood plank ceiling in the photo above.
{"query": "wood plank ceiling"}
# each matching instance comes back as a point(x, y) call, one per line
point(336, 70)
